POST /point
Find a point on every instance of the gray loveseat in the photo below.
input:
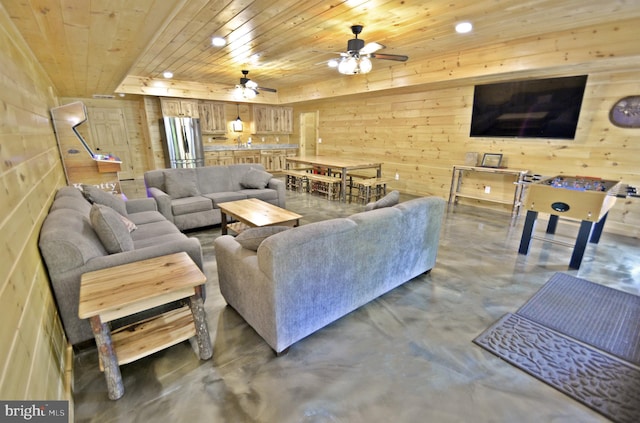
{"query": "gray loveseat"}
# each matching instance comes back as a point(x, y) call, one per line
point(190, 197)
point(71, 245)
point(301, 279)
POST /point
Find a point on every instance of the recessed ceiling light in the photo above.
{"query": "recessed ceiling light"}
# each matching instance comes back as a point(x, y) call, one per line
point(167, 74)
point(464, 27)
point(218, 41)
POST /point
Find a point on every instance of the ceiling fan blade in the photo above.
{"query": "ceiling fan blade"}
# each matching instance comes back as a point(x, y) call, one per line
point(271, 90)
point(396, 57)
point(371, 48)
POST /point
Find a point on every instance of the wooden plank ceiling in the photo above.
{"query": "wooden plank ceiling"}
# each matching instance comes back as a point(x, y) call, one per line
point(91, 47)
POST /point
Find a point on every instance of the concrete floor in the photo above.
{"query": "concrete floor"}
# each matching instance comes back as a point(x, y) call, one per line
point(405, 357)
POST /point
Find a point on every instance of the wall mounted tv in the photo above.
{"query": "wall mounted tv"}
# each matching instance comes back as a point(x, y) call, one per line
point(540, 108)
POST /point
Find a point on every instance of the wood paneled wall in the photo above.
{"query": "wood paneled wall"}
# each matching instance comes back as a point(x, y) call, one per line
point(33, 351)
point(422, 134)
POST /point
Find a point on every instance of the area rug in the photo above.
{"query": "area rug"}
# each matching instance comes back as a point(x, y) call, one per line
point(580, 338)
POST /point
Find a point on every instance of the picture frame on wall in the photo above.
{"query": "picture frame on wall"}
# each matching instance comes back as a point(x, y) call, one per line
point(491, 160)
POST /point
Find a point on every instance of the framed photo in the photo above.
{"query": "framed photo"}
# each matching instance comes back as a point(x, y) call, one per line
point(491, 160)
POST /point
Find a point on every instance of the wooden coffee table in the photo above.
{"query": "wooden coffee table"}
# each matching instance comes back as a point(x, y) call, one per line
point(251, 213)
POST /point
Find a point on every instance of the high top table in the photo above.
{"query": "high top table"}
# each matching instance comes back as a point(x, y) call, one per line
point(337, 163)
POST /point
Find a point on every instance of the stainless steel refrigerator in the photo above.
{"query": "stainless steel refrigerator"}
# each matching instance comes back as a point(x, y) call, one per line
point(183, 142)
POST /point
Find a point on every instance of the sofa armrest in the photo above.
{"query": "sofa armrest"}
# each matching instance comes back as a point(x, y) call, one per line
point(280, 187)
point(189, 245)
point(163, 201)
point(137, 205)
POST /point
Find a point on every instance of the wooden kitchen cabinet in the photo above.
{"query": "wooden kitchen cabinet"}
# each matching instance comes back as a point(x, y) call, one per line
point(272, 119)
point(212, 118)
point(179, 107)
point(218, 158)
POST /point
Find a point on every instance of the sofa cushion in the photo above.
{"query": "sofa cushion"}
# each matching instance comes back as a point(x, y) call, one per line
point(69, 191)
point(267, 194)
point(152, 231)
point(110, 228)
point(252, 238)
point(67, 240)
point(146, 217)
point(188, 205)
point(237, 172)
point(128, 223)
point(223, 197)
point(69, 202)
point(255, 178)
point(97, 196)
point(388, 200)
point(181, 183)
point(213, 179)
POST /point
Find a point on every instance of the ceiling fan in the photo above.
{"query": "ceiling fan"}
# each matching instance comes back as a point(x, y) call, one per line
point(357, 57)
point(248, 88)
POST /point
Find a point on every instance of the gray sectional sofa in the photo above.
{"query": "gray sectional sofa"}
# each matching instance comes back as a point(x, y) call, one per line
point(190, 197)
point(300, 280)
point(77, 237)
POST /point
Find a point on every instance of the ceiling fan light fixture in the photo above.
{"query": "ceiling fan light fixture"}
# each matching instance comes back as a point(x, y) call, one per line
point(241, 93)
point(353, 65)
point(365, 65)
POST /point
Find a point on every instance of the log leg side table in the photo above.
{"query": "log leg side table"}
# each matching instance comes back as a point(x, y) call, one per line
point(109, 294)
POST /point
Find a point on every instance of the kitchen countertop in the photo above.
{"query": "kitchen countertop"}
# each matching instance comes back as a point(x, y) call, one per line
point(255, 146)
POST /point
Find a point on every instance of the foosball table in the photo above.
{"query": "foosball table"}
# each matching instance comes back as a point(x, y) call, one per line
point(579, 198)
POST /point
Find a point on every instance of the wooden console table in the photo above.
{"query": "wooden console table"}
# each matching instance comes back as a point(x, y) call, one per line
point(110, 294)
point(515, 202)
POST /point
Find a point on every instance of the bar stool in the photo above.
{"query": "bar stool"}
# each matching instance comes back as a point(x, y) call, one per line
point(371, 189)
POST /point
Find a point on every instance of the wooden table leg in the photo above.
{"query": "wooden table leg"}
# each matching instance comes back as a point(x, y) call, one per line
point(107, 356)
point(200, 320)
point(223, 223)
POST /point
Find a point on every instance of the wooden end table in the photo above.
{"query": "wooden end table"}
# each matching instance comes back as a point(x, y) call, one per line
point(109, 294)
point(251, 213)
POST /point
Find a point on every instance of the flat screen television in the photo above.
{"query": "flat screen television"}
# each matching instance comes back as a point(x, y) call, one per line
point(540, 108)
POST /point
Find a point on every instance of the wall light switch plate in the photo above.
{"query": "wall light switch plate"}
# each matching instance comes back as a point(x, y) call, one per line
point(487, 189)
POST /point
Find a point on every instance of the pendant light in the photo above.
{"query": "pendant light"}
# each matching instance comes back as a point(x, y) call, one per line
point(237, 124)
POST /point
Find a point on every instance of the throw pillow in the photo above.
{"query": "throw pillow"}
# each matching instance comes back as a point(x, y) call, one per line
point(129, 224)
point(256, 179)
point(110, 228)
point(252, 238)
point(181, 183)
point(391, 199)
point(95, 195)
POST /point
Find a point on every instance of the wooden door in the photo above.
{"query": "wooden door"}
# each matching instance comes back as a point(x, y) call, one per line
point(109, 136)
point(308, 133)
